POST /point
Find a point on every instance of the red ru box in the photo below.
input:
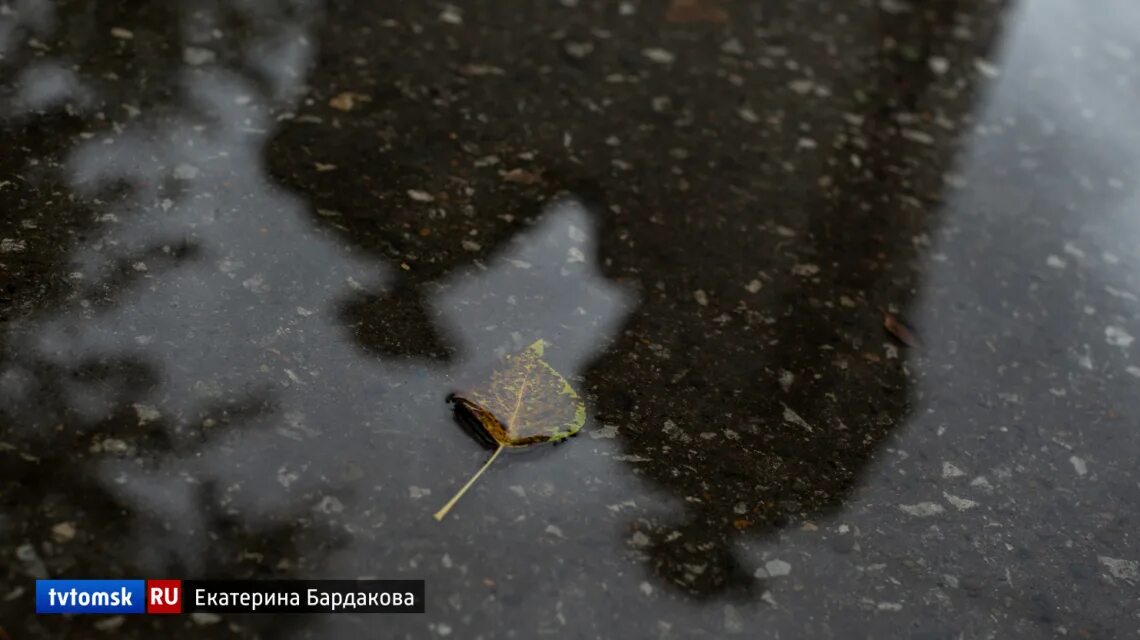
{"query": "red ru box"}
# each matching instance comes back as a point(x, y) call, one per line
point(164, 596)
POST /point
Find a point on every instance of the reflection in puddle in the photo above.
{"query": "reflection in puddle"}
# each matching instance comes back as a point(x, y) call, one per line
point(208, 375)
point(201, 374)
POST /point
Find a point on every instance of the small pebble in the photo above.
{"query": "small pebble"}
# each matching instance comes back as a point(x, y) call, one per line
point(777, 568)
point(110, 624)
point(63, 532)
point(205, 619)
point(197, 56)
point(1079, 465)
point(660, 56)
point(922, 509)
point(1117, 337)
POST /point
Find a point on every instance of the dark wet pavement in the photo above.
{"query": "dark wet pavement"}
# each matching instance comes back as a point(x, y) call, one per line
point(247, 250)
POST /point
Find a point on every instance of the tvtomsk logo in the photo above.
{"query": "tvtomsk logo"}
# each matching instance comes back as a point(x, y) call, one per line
point(90, 596)
point(108, 596)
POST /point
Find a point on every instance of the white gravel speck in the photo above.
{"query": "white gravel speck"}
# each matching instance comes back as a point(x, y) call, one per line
point(658, 55)
point(418, 492)
point(185, 171)
point(451, 15)
point(420, 196)
point(1055, 261)
point(960, 504)
point(939, 65)
point(146, 413)
point(1119, 568)
point(776, 568)
point(11, 245)
point(753, 286)
point(115, 445)
point(63, 531)
point(579, 49)
point(1079, 465)
point(197, 56)
point(922, 509)
point(205, 619)
point(803, 86)
point(987, 69)
point(110, 624)
point(748, 115)
point(949, 470)
point(982, 483)
point(1117, 337)
point(791, 417)
point(1123, 295)
point(914, 135)
point(701, 297)
point(1073, 250)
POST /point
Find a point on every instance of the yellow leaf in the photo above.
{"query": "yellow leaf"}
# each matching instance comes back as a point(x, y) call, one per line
point(525, 402)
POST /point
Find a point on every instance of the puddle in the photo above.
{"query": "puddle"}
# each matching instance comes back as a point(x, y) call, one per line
point(249, 250)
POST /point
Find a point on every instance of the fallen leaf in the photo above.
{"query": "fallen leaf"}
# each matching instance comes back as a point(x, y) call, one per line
point(521, 176)
point(526, 402)
point(899, 330)
point(347, 100)
point(685, 11)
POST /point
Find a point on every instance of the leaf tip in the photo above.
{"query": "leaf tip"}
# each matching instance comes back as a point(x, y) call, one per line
point(537, 347)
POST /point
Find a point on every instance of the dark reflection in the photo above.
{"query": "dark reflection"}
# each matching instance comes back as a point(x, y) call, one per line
point(812, 386)
point(755, 381)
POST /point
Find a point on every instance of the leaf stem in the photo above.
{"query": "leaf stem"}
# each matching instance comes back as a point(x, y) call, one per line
point(439, 515)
